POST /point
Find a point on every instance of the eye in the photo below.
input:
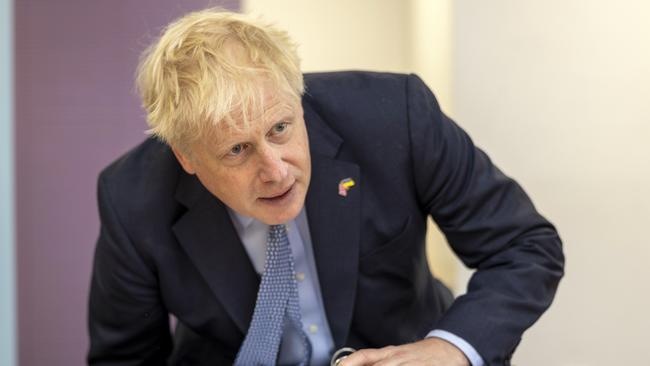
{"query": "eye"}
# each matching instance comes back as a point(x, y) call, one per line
point(280, 127)
point(237, 149)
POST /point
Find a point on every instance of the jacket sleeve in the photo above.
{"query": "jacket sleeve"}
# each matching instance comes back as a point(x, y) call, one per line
point(491, 225)
point(128, 325)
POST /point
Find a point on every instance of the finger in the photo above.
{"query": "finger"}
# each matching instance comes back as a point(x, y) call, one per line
point(366, 357)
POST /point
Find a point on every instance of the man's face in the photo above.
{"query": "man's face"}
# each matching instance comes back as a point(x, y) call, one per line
point(262, 171)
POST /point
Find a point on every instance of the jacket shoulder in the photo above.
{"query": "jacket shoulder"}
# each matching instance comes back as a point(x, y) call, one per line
point(143, 179)
point(352, 81)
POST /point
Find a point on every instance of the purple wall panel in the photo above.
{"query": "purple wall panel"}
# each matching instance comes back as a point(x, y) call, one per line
point(76, 110)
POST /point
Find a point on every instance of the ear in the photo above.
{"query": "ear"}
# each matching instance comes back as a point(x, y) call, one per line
point(185, 160)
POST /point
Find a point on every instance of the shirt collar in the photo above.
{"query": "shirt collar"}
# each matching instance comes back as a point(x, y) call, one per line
point(242, 221)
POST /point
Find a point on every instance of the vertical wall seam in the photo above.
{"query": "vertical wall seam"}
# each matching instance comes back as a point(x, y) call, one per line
point(7, 221)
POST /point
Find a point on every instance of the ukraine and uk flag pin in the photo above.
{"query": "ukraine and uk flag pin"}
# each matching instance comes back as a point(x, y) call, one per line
point(345, 185)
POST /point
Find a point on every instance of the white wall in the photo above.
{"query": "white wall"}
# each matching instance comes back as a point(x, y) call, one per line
point(558, 92)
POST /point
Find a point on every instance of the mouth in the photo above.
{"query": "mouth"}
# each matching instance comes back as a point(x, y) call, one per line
point(279, 197)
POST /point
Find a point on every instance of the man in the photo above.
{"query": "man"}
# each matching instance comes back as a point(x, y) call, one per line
point(279, 225)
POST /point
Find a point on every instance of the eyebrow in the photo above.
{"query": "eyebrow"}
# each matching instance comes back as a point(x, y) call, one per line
point(285, 112)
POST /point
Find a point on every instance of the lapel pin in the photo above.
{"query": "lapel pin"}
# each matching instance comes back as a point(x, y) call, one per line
point(345, 185)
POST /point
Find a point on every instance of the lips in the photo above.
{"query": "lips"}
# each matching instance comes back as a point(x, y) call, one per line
point(279, 195)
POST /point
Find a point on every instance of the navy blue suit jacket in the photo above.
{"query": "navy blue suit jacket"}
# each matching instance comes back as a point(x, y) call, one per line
point(168, 246)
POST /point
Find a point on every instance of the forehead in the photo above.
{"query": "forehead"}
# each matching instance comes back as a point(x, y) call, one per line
point(270, 106)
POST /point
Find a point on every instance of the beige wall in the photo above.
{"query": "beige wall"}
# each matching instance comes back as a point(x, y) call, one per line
point(430, 26)
point(342, 35)
point(558, 92)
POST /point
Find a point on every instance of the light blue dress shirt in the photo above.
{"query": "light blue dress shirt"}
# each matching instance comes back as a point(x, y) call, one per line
point(253, 235)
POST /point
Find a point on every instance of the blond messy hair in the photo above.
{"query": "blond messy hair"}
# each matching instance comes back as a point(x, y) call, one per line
point(207, 67)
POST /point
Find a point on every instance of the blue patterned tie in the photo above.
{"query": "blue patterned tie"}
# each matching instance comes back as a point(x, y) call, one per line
point(277, 301)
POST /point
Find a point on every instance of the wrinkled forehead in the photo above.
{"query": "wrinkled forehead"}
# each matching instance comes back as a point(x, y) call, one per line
point(269, 104)
point(266, 101)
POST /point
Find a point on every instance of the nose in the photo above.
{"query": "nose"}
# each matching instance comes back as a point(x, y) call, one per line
point(272, 167)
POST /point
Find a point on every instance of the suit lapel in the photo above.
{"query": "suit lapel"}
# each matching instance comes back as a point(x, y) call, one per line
point(208, 237)
point(334, 225)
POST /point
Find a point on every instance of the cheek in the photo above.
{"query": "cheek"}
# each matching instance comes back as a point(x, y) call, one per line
point(236, 185)
point(240, 184)
point(229, 185)
point(297, 156)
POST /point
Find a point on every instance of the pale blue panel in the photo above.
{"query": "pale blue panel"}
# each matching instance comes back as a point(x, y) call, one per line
point(7, 236)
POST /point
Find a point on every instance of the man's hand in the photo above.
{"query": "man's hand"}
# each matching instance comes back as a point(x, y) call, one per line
point(431, 352)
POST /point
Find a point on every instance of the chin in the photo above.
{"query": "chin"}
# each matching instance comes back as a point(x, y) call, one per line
point(282, 217)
